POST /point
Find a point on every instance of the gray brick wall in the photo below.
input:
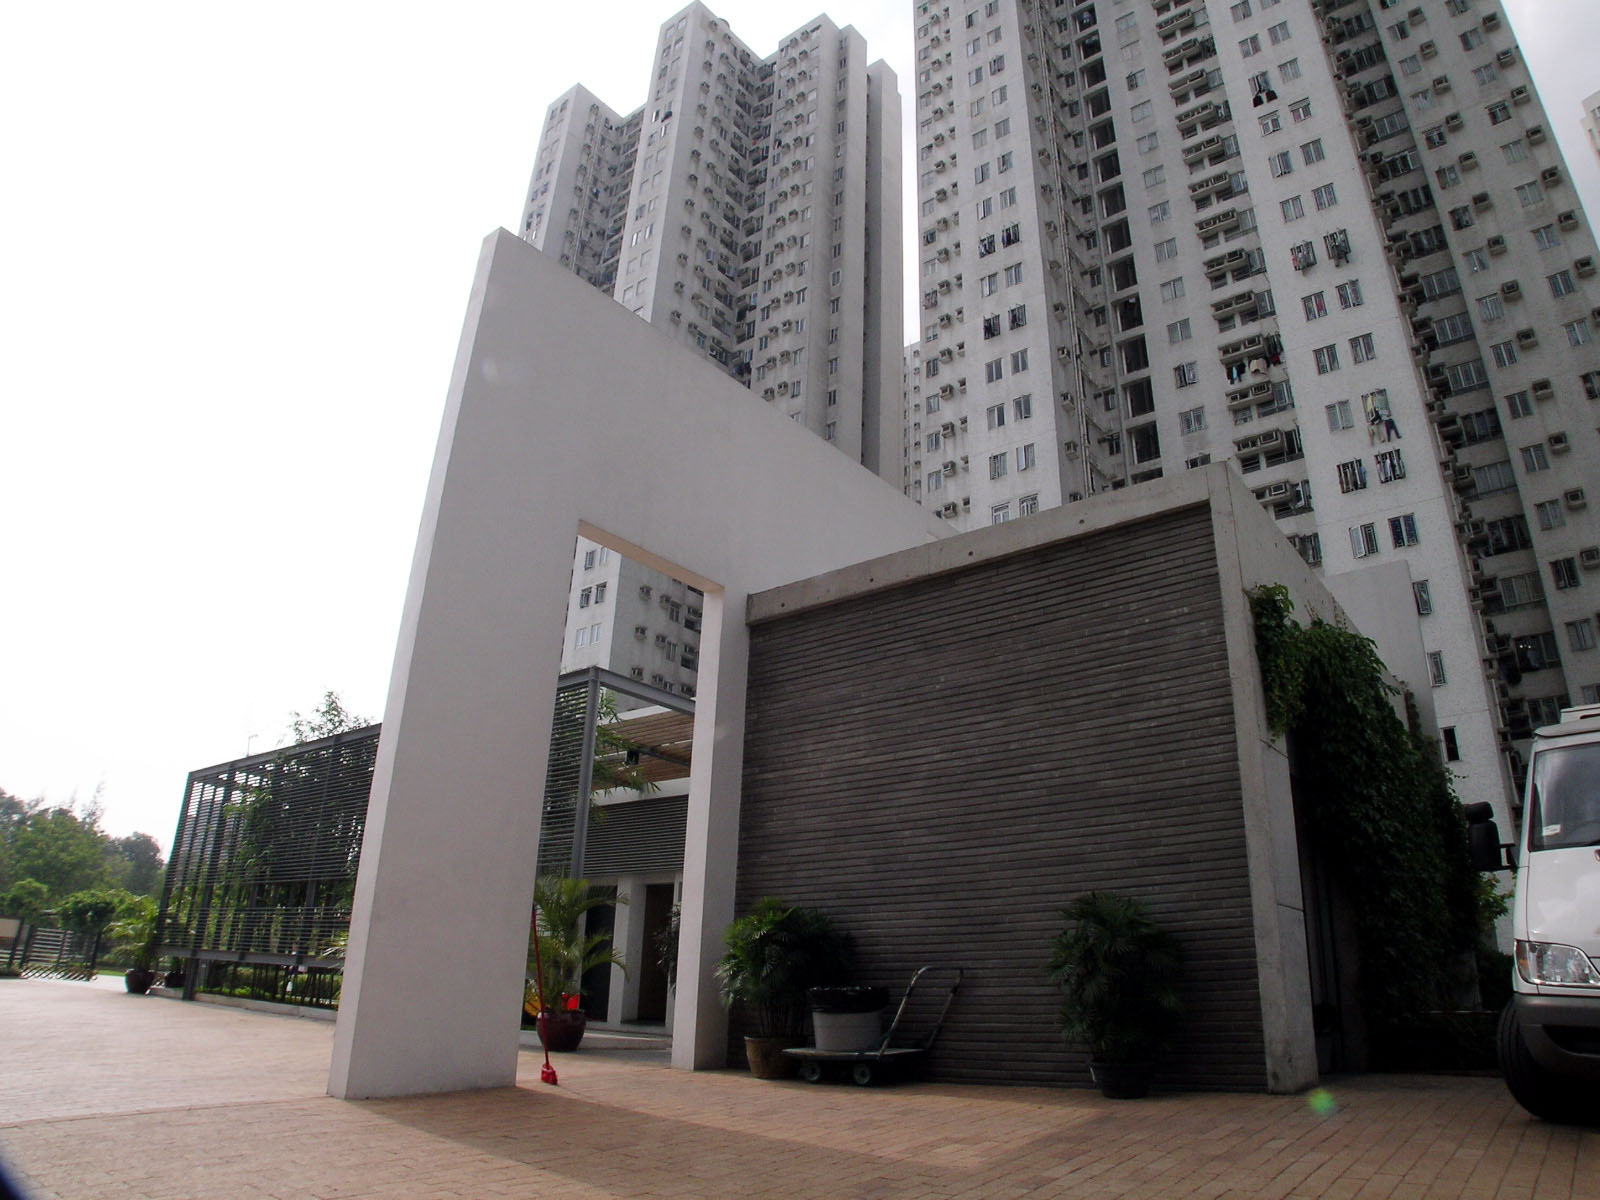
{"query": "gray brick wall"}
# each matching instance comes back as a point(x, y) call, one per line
point(944, 765)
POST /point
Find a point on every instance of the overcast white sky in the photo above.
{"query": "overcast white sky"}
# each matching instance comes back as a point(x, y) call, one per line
point(235, 253)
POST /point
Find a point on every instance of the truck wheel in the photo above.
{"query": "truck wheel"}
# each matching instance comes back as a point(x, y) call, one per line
point(862, 1074)
point(811, 1071)
point(1541, 1092)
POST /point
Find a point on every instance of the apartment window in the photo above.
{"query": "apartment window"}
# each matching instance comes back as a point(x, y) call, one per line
point(996, 414)
point(1240, 11)
point(1289, 71)
point(1179, 331)
point(1002, 128)
point(1457, 327)
point(1292, 208)
point(980, 172)
point(1327, 359)
point(1148, 142)
point(1019, 361)
point(1270, 123)
point(1025, 457)
point(1002, 164)
point(1410, 65)
point(935, 481)
point(1503, 353)
point(1000, 514)
point(1141, 111)
point(1314, 305)
point(1515, 151)
point(1423, 596)
point(1518, 405)
point(1436, 668)
point(998, 96)
point(1186, 375)
point(1340, 416)
point(1279, 33)
point(976, 107)
point(1403, 530)
point(1530, 193)
point(1491, 307)
point(1549, 514)
point(1350, 294)
point(994, 370)
point(1017, 317)
point(1545, 237)
point(1192, 420)
point(1352, 475)
point(1534, 458)
point(1008, 198)
point(1028, 505)
point(1013, 274)
point(1591, 384)
point(1362, 348)
point(1022, 406)
point(1493, 477)
point(1172, 289)
point(1312, 152)
point(1325, 197)
point(1580, 634)
point(1300, 110)
point(1363, 540)
point(1167, 250)
point(1155, 176)
point(1281, 164)
point(975, 76)
point(1485, 74)
point(1564, 573)
point(1448, 176)
point(1577, 332)
point(1447, 738)
point(1135, 80)
point(1422, 100)
point(997, 465)
point(1251, 46)
point(1391, 466)
point(1160, 212)
point(1499, 112)
point(588, 560)
point(1561, 284)
point(1476, 260)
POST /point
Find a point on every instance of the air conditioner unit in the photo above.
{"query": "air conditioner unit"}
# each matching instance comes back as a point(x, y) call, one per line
point(1559, 443)
point(1497, 244)
point(1468, 160)
point(1441, 84)
point(1536, 135)
point(1428, 49)
point(1574, 498)
point(1550, 176)
point(1584, 265)
point(1543, 389)
point(1520, 95)
point(1505, 58)
point(1482, 201)
point(1527, 338)
point(1491, 21)
point(1511, 290)
point(1589, 558)
point(1454, 121)
point(1567, 219)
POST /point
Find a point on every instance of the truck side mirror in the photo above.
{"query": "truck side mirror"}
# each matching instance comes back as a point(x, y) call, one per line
point(1483, 838)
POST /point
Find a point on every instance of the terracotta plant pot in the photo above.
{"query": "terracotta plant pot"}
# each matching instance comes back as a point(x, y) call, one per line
point(562, 1029)
point(766, 1058)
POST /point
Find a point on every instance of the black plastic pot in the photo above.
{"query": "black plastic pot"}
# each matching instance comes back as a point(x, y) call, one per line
point(847, 999)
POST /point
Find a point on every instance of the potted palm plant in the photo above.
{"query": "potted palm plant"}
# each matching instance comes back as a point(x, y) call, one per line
point(564, 954)
point(774, 953)
point(1118, 974)
point(136, 927)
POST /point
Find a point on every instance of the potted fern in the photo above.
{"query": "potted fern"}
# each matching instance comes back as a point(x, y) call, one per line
point(774, 953)
point(1118, 973)
point(565, 953)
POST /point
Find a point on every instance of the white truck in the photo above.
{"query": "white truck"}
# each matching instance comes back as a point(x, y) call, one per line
point(1549, 1040)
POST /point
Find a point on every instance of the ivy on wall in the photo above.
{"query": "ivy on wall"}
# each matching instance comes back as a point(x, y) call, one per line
point(1380, 808)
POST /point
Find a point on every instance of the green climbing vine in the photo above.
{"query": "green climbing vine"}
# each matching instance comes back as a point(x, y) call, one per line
point(1380, 806)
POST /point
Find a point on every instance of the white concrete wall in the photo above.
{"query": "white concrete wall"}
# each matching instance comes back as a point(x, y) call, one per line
point(676, 466)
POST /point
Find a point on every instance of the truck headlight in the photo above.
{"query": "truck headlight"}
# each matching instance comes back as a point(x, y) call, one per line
point(1551, 963)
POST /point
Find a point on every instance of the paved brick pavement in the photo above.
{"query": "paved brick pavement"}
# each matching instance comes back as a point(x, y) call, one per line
point(106, 1095)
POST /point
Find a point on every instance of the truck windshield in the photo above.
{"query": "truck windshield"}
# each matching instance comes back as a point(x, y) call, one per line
point(1566, 798)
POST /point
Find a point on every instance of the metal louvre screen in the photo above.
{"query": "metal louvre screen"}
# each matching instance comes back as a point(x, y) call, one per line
point(264, 860)
point(646, 835)
point(563, 779)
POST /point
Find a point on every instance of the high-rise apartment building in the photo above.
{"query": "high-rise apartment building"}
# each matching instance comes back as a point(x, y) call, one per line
point(1332, 241)
point(1591, 121)
point(750, 209)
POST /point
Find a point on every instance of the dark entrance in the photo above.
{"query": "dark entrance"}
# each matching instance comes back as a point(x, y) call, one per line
point(596, 982)
point(652, 979)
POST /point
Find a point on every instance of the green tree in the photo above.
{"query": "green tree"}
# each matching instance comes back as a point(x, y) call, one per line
point(89, 912)
point(24, 900)
point(59, 848)
point(135, 863)
point(329, 718)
